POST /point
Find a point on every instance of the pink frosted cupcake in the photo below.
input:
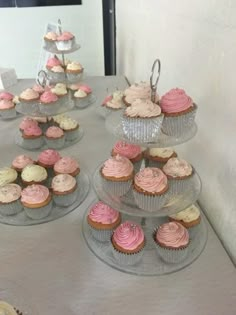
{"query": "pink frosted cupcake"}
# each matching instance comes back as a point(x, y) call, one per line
point(113, 103)
point(7, 109)
point(50, 40)
point(65, 190)
point(55, 137)
point(10, 199)
point(6, 96)
point(47, 159)
point(82, 97)
point(102, 220)
point(32, 137)
point(65, 41)
point(27, 122)
point(49, 104)
point(172, 242)
point(21, 161)
point(128, 241)
point(179, 112)
point(140, 90)
point(38, 88)
point(150, 189)
point(130, 151)
point(117, 174)
point(67, 165)
point(52, 62)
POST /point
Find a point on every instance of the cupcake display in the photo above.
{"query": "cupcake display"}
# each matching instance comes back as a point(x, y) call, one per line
point(136, 91)
point(158, 157)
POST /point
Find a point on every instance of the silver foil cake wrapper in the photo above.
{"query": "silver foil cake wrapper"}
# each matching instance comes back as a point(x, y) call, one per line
point(8, 113)
point(74, 77)
point(11, 208)
point(82, 102)
point(150, 203)
point(55, 143)
point(101, 235)
point(179, 186)
point(127, 259)
point(65, 200)
point(118, 188)
point(32, 144)
point(39, 213)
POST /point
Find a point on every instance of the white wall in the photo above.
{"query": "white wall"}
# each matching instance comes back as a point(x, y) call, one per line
point(22, 30)
point(196, 42)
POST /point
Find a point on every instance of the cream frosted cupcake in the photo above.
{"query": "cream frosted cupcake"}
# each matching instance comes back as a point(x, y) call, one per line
point(38, 88)
point(55, 137)
point(65, 41)
point(74, 71)
point(37, 201)
point(67, 165)
point(21, 161)
point(32, 137)
point(130, 151)
point(179, 112)
point(179, 173)
point(117, 175)
point(82, 96)
point(142, 121)
point(8, 309)
point(150, 189)
point(50, 40)
point(172, 242)
point(102, 220)
point(7, 109)
point(49, 103)
point(65, 190)
point(140, 90)
point(28, 100)
point(10, 199)
point(158, 157)
point(33, 174)
point(47, 159)
point(71, 128)
point(52, 62)
point(7, 176)
point(61, 92)
point(128, 241)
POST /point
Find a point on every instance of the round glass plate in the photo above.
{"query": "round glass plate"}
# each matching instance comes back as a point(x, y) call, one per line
point(114, 125)
point(64, 78)
point(126, 204)
point(11, 118)
point(151, 263)
point(85, 104)
point(57, 212)
point(17, 296)
point(53, 50)
point(19, 141)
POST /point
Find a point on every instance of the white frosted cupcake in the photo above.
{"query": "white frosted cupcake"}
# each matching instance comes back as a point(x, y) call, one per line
point(21, 161)
point(55, 137)
point(7, 176)
point(82, 96)
point(142, 121)
point(113, 103)
point(140, 90)
point(65, 41)
point(74, 71)
point(71, 128)
point(61, 92)
point(10, 199)
point(33, 174)
point(158, 157)
point(65, 190)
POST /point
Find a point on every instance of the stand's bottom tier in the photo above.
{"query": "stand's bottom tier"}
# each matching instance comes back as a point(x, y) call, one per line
point(151, 263)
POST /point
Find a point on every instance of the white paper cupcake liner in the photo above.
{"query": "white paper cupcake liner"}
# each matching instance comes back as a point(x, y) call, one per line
point(179, 186)
point(101, 235)
point(141, 129)
point(8, 113)
point(72, 135)
point(82, 102)
point(11, 208)
point(176, 126)
point(150, 203)
point(32, 144)
point(50, 109)
point(66, 200)
point(74, 77)
point(55, 143)
point(65, 44)
point(127, 259)
point(39, 213)
point(116, 188)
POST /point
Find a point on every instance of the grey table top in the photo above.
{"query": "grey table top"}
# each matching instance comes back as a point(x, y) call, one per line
point(60, 274)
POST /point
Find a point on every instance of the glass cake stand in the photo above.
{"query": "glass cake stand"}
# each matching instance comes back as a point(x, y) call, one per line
point(57, 212)
point(54, 50)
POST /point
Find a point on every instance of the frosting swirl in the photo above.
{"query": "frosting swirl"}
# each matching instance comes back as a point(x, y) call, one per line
point(190, 214)
point(33, 130)
point(57, 69)
point(7, 175)
point(161, 152)
point(27, 122)
point(63, 183)
point(128, 235)
point(5, 104)
point(130, 151)
point(65, 36)
point(6, 96)
point(102, 213)
point(34, 194)
point(117, 166)
point(172, 235)
point(175, 101)
point(38, 88)
point(74, 66)
point(54, 132)
point(84, 87)
point(143, 109)
point(49, 157)
point(48, 97)
point(59, 89)
point(53, 62)
point(138, 90)
point(29, 94)
point(34, 173)
point(176, 167)
point(151, 179)
point(51, 36)
point(21, 161)
point(68, 124)
point(66, 165)
point(10, 193)
point(80, 94)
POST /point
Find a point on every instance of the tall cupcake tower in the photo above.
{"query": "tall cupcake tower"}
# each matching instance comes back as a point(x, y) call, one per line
point(151, 262)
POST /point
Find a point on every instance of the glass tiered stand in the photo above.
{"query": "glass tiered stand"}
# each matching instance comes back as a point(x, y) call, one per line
point(151, 263)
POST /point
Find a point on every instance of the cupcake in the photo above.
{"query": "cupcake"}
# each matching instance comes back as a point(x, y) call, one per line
point(179, 112)
point(49, 103)
point(113, 102)
point(71, 128)
point(55, 137)
point(10, 199)
point(82, 97)
point(150, 189)
point(74, 86)
point(130, 151)
point(21, 161)
point(37, 201)
point(43, 122)
point(33, 174)
point(50, 40)
point(56, 73)
point(57, 119)
point(8, 309)
point(52, 62)
point(172, 242)
point(7, 176)
point(47, 159)
point(74, 71)
point(102, 220)
point(179, 173)
point(158, 157)
point(128, 242)
point(190, 218)
point(29, 100)
point(27, 122)
point(7, 109)
point(6, 96)
point(140, 90)
point(65, 41)
point(32, 137)
point(142, 121)
point(38, 88)
point(117, 175)
point(61, 92)
point(67, 165)
point(65, 190)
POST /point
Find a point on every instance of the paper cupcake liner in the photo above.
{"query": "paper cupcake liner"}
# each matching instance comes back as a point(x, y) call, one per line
point(72, 135)
point(55, 77)
point(81, 103)
point(176, 126)
point(101, 235)
point(50, 109)
point(116, 188)
point(11, 208)
point(8, 113)
point(55, 143)
point(141, 129)
point(31, 144)
point(39, 213)
point(74, 77)
point(66, 200)
point(127, 259)
point(151, 163)
point(65, 44)
point(179, 186)
point(150, 203)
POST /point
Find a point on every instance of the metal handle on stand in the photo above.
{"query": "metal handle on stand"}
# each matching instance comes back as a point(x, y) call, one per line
point(153, 83)
point(42, 78)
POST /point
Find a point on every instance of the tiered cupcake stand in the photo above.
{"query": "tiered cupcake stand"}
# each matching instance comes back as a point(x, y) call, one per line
point(151, 263)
